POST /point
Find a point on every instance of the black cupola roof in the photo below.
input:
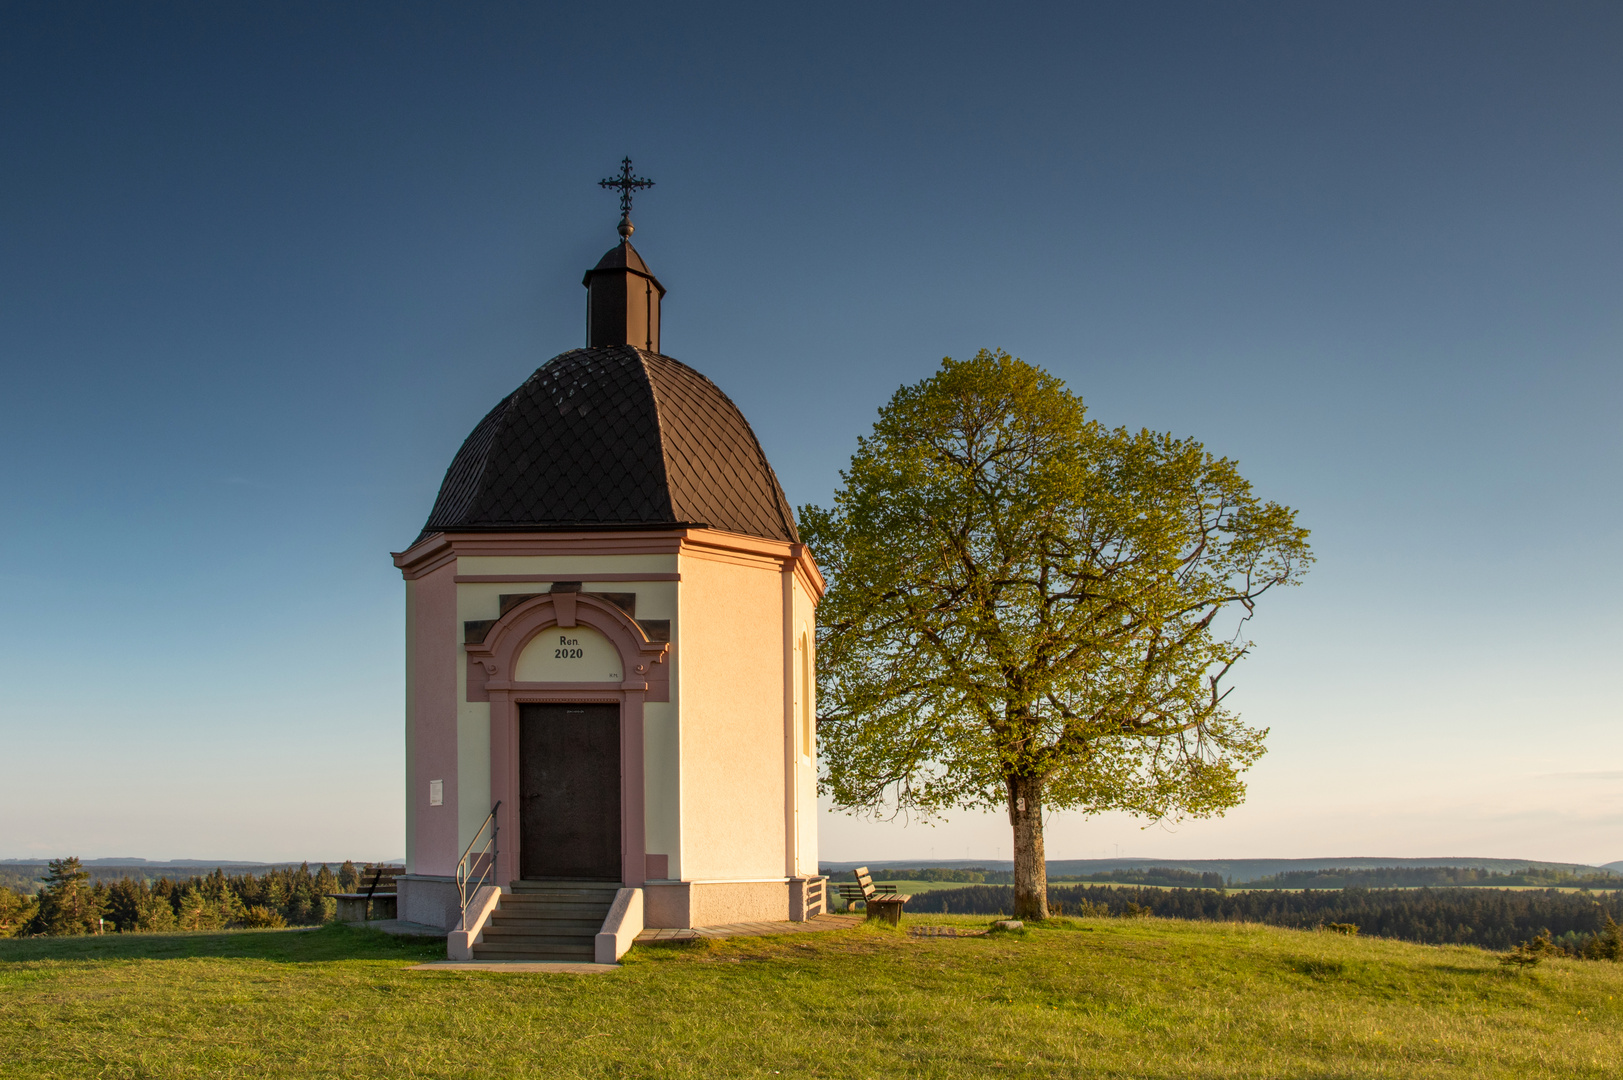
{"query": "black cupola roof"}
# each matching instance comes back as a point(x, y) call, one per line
point(613, 437)
point(622, 300)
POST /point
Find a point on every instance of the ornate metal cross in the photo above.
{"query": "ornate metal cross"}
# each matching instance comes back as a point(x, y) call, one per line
point(627, 183)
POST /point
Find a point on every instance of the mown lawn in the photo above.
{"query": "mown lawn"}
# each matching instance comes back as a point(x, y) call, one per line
point(1108, 998)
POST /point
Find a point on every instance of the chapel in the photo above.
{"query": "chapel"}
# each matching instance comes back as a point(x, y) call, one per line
point(610, 624)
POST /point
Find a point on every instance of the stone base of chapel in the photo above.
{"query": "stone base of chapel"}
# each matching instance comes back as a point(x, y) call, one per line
point(432, 900)
point(428, 899)
point(682, 904)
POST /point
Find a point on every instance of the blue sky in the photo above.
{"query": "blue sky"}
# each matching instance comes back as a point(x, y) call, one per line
point(262, 268)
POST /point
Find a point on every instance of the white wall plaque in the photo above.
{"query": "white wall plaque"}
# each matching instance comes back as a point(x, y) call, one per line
point(436, 793)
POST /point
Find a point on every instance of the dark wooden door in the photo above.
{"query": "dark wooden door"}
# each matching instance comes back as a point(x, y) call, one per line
point(569, 791)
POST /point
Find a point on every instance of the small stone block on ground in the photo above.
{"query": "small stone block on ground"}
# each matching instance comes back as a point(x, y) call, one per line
point(1009, 924)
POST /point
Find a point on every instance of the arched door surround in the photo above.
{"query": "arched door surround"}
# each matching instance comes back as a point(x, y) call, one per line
point(492, 661)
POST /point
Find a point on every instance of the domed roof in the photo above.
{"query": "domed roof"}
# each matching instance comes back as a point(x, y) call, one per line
point(611, 438)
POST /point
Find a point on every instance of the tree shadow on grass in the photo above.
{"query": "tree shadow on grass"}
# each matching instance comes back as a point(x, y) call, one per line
point(334, 941)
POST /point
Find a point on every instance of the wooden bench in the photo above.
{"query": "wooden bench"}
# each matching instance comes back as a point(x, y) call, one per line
point(376, 896)
point(880, 901)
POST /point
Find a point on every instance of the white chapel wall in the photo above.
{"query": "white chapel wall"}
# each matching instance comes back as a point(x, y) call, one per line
point(732, 709)
point(583, 565)
point(473, 765)
point(805, 732)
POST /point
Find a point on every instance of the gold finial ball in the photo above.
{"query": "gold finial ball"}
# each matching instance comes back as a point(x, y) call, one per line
point(626, 228)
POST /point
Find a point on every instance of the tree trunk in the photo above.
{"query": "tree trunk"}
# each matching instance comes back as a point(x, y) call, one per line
point(1030, 863)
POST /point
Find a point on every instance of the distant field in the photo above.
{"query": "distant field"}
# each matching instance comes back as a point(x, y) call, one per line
point(1141, 998)
point(914, 887)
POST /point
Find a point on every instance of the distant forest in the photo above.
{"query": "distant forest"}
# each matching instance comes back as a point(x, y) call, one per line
point(1385, 877)
point(1399, 877)
point(1488, 918)
point(979, 875)
point(68, 902)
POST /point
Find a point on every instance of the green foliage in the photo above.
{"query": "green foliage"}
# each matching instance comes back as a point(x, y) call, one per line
point(68, 904)
point(260, 917)
point(23, 879)
point(208, 904)
point(1076, 909)
point(970, 875)
point(132, 907)
point(1529, 953)
point(17, 911)
point(1606, 944)
point(215, 901)
point(1023, 608)
point(1154, 875)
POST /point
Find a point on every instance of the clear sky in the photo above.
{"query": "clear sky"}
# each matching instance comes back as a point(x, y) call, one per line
point(262, 268)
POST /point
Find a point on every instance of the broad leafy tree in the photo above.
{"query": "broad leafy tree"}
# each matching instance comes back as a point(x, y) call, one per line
point(1030, 611)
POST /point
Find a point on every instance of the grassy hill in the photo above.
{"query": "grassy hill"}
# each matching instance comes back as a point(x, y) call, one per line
point(1141, 998)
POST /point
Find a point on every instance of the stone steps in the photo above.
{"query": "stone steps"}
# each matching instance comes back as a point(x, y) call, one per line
point(534, 950)
point(535, 908)
point(547, 920)
point(544, 925)
point(518, 938)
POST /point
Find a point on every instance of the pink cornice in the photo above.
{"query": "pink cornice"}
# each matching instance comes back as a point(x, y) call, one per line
point(491, 662)
point(434, 551)
point(582, 575)
point(806, 570)
point(630, 542)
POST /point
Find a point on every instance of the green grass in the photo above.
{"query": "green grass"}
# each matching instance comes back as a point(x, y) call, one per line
point(1139, 998)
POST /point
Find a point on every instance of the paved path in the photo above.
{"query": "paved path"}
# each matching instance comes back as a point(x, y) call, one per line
point(401, 928)
point(752, 929)
point(546, 967)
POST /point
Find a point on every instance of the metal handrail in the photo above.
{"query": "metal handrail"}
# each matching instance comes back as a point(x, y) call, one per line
point(484, 859)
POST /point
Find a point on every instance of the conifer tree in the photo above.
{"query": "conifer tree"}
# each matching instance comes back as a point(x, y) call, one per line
point(325, 885)
point(274, 893)
point(303, 907)
point(67, 903)
point(125, 901)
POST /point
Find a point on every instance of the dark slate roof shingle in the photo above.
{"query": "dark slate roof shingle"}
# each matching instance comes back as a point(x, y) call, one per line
point(613, 438)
